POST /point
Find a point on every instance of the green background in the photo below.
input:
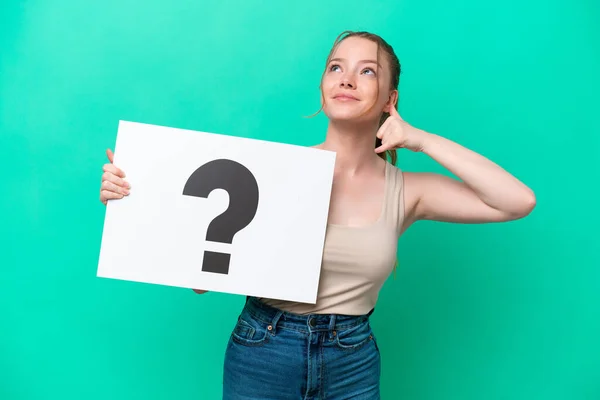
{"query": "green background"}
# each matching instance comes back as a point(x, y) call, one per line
point(497, 311)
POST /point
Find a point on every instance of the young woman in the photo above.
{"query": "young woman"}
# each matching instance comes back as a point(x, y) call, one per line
point(286, 350)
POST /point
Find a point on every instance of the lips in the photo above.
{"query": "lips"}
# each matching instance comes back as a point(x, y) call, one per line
point(345, 97)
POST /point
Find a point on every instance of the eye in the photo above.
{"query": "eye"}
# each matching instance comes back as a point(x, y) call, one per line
point(371, 70)
point(333, 66)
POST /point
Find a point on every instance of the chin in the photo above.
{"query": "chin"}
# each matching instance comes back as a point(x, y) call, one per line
point(342, 113)
point(343, 117)
point(347, 116)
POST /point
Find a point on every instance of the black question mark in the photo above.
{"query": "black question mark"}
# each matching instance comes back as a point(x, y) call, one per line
point(241, 185)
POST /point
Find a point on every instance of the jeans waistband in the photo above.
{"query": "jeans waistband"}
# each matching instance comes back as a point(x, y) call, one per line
point(312, 322)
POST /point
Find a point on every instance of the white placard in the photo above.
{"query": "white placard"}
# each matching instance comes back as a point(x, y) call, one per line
point(278, 211)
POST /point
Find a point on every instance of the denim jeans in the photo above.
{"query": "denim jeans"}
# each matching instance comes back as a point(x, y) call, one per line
point(277, 355)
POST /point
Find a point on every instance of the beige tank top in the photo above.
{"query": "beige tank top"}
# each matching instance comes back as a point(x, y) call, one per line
point(357, 260)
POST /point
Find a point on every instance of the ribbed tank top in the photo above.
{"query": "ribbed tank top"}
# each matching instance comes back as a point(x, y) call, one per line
point(357, 260)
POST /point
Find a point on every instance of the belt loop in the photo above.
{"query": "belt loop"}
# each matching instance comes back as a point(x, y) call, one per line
point(275, 320)
point(331, 325)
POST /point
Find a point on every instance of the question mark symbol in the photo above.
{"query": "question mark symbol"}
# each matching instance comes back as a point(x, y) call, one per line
point(241, 185)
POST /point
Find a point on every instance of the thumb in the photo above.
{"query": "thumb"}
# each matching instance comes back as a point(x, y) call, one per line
point(110, 155)
point(382, 148)
point(394, 112)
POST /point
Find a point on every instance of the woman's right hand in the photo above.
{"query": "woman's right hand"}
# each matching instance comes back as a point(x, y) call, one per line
point(114, 185)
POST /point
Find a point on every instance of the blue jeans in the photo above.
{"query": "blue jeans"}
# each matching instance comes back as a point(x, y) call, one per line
point(277, 355)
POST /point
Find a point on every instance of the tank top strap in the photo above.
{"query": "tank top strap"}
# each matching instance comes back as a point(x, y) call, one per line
point(387, 187)
point(394, 196)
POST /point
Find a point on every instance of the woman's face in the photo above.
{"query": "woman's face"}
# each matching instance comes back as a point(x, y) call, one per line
point(350, 83)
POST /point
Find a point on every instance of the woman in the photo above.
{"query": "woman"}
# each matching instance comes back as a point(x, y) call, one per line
point(286, 350)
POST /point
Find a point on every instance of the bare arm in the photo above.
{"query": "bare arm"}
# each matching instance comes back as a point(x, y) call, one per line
point(484, 193)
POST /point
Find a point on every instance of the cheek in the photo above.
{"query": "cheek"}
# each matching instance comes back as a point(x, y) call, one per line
point(325, 88)
point(383, 95)
point(370, 88)
point(374, 95)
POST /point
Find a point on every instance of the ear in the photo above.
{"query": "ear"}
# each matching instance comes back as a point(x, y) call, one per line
point(393, 99)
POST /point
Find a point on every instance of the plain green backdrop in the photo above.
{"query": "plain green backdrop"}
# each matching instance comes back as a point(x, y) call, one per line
point(476, 312)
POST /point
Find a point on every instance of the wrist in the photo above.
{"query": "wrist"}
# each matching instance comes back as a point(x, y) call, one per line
point(428, 142)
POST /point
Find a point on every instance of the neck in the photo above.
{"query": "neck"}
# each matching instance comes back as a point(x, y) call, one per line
point(354, 145)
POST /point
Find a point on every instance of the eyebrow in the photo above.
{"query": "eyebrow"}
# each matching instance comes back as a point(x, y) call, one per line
point(361, 61)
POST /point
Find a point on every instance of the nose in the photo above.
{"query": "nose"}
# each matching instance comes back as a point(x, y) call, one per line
point(347, 82)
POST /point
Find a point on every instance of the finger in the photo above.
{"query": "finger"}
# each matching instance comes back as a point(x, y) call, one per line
point(386, 144)
point(383, 147)
point(383, 127)
point(380, 149)
point(109, 176)
point(111, 187)
point(383, 131)
point(105, 195)
point(110, 155)
point(114, 170)
point(394, 112)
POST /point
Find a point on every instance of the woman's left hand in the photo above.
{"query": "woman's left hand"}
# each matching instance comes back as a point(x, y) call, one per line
point(395, 133)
